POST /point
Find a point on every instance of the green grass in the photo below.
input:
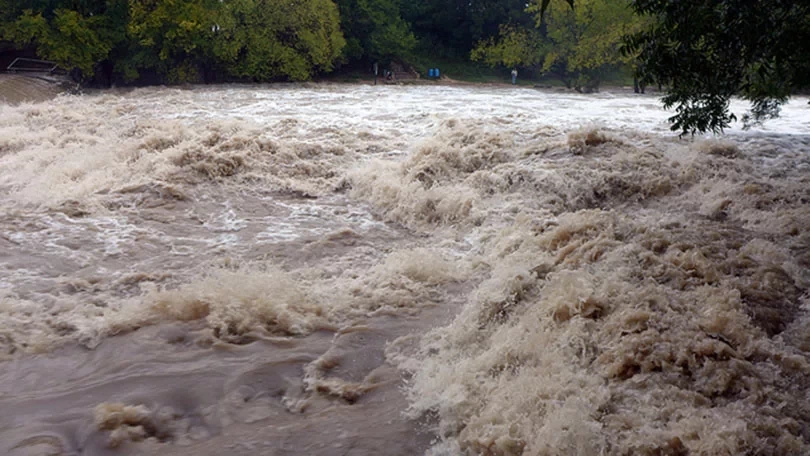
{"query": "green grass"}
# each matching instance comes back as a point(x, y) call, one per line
point(459, 69)
point(464, 70)
point(468, 71)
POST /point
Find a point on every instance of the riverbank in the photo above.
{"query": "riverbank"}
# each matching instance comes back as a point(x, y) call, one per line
point(18, 88)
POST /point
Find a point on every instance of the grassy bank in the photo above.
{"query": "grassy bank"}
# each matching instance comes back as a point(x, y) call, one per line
point(464, 70)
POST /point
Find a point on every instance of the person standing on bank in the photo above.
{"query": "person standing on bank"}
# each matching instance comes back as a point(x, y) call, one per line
point(514, 76)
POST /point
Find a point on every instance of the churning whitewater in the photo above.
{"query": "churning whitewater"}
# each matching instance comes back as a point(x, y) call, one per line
point(335, 270)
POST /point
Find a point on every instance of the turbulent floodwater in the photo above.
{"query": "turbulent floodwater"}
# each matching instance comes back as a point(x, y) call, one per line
point(334, 270)
point(15, 88)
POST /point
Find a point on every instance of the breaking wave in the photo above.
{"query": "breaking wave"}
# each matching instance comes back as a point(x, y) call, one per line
point(546, 285)
point(640, 296)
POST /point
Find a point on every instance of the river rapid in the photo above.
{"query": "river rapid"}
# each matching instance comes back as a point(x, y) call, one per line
point(398, 270)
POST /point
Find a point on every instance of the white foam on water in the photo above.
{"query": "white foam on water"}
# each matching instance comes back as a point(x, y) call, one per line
point(611, 289)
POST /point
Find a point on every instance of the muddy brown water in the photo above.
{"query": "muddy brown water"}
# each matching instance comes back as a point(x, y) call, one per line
point(353, 270)
point(20, 88)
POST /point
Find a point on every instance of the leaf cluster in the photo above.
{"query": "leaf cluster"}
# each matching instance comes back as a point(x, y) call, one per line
point(180, 40)
point(576, 44)
point(375, 30)
point(706, 52)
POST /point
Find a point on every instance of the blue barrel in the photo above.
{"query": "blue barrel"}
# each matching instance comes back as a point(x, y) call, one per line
point(430, 73)
point(437, 72)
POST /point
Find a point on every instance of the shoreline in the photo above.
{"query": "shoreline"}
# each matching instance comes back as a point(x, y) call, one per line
point(25, 88)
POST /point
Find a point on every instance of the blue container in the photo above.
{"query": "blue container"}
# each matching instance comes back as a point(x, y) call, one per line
point(437, 72)
point(430, 73)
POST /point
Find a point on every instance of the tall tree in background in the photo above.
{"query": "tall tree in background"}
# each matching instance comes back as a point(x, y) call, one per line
point(74, 34)
point(261, 40)
point(577, 45)
point(374, 30)
point(171, 37)
point(706, 51)
point(453, 27)
point(266, 40)
point(179, 40)
point(514, 47)
point(584, 42)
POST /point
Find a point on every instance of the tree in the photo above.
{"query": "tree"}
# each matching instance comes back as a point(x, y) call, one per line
point(73, 34)
point(585, 41)
point(171, 37)
point(179, 40)
point(515, 46)
point(374, 30)
point(453, 27)
point(266, 40)
point(577, 45)
point(707, 51)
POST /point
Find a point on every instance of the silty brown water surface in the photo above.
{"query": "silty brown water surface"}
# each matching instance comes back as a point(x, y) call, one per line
point(356, 270)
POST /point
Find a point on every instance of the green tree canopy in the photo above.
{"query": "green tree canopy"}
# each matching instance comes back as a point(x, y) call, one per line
point(577, 45)
point(375, 30)
point(453, 27)
point(514, 47)
point(257, 39)
point(180, 39)
point(708, 51)
point(292, 40)
point(172, 37)
point(73, 34)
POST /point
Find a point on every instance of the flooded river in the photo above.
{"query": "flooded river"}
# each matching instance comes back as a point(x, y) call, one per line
point(358, 270)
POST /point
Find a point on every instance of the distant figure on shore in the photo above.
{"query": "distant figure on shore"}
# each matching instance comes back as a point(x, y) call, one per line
point(514, 76)
point(638, 87)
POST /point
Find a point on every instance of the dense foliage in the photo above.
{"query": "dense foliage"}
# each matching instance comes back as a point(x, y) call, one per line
point(578, 45)
point(262, 39)
point(454, 27)
point(706, 51)
point(180, 40)
point(702, 51)
point(202, 40)
point(375, 30)
point(74, 34)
